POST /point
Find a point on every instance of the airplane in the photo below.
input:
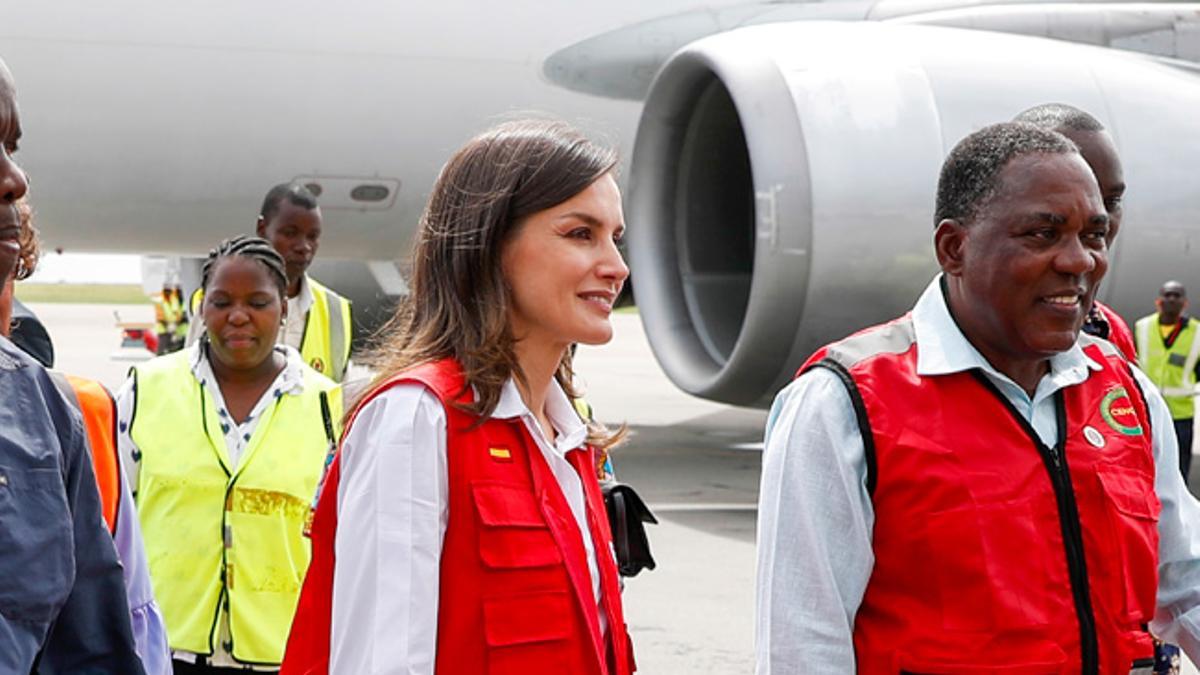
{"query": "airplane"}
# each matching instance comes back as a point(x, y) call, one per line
point(781, 156)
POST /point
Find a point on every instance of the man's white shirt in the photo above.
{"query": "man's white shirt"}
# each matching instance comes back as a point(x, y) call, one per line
point(815, 516)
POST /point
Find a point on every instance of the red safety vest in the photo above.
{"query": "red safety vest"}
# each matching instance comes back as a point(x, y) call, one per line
point(994, 553)
point(1118, 332)
point(515, 594)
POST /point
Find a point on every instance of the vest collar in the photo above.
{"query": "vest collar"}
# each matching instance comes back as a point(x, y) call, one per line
point(571, 431)
point(942, 348)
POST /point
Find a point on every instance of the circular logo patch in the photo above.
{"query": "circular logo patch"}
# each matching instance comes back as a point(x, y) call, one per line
point(1117, 410)
point(1094, 436)
point(318, 365)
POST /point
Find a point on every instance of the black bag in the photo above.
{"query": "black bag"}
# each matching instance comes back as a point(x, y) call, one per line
point(626, 515)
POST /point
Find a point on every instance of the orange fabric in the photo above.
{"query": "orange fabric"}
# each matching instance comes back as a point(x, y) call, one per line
point(99, 418)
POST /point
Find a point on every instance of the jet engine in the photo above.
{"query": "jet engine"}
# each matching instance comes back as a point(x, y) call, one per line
point(781, 189)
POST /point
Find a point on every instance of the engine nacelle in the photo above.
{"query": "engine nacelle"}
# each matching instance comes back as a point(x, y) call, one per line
point(782, 182)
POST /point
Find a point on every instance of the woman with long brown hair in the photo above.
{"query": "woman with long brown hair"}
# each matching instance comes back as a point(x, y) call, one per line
point(463, 510)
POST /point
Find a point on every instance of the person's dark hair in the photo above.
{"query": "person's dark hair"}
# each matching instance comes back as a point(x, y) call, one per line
point(1059, 116)
point(29, 244)
point(253, 248)
point(458, 302)
point(294, 193)
point(971, 172)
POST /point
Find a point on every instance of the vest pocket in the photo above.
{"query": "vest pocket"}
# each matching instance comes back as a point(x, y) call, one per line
point(1133, 519)
point(36, 541)
point(986, 576)
point(529, 633)
point(513, 533)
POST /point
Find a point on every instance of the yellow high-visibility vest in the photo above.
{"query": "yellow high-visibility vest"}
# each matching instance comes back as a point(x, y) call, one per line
point(327, 333)
point(224, 539)
point(1171, 369)
point(328, 330)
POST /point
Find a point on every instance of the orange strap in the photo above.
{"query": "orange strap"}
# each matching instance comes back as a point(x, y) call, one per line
point(99, 413)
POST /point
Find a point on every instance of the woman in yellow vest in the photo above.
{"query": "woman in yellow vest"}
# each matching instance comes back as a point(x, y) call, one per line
point(224, 443)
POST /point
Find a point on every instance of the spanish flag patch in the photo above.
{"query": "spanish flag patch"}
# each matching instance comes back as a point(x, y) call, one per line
point(500, 454)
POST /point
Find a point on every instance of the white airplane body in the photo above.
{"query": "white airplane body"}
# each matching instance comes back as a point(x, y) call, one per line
point(155, 128)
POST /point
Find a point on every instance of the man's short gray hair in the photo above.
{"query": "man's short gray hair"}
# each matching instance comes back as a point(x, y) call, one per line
point(971, 172)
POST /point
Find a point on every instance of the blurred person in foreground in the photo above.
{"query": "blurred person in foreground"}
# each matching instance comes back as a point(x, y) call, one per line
point(977, 486)
point(464, 510)
point(97, 408)
point(63, 607)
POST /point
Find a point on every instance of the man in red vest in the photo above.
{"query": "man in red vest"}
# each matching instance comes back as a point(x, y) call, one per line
point(1098, 150)
point(977, 487)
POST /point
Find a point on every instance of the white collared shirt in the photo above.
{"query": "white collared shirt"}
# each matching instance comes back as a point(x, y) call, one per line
point(393, 508)
point(292, 333)
point(815, 516)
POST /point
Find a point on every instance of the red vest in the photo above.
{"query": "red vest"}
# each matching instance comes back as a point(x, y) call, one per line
point(993, 553)
point(1118, 332)
point(515, 594)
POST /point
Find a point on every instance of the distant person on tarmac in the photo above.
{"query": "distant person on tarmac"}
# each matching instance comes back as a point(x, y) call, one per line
point(63, 606)
point(319, 321)
point(1098, 150)
point(978, 486)
point(1169, 352)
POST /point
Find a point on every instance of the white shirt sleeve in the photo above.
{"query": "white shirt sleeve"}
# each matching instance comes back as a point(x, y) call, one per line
point(392, 515)
point(1177, 619)
point(127, 451)
point(814, 530)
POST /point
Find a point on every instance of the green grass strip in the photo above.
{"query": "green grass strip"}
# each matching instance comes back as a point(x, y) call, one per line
point(100, 294)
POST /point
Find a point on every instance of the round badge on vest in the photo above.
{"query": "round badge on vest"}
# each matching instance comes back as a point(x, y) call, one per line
point(1094, 437)
point(318, 365)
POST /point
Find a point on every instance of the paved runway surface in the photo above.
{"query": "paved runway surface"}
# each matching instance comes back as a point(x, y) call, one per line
point(697, 463)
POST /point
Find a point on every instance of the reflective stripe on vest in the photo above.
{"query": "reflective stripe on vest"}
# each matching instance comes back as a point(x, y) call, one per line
point(327, 332)
point(98, 410)
point(1173, 370)
point(515, 594)
point(990, 547)
point(216, 533)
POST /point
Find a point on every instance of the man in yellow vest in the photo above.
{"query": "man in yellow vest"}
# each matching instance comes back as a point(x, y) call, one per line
point(170, 320)
point(1169, 352)
point(318, 320)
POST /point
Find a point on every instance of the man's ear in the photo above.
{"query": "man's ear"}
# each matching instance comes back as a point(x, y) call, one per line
point(260, 227)
point(950, 243)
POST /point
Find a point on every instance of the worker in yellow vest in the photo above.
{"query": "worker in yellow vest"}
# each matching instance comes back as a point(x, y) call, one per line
point(319, 322)
point(225, 443)
point(1169, 353)
point(170, 320)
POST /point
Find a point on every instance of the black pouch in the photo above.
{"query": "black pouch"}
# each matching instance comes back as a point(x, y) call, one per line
point(627, 514)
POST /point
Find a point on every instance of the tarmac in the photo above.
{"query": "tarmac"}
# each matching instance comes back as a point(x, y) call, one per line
point(696, 463)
